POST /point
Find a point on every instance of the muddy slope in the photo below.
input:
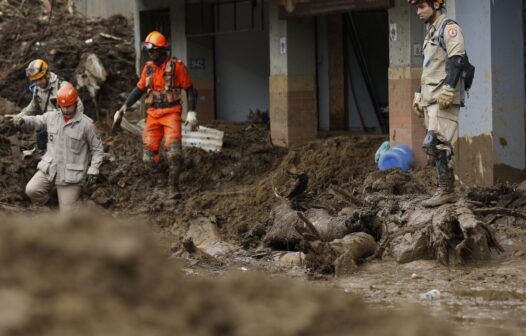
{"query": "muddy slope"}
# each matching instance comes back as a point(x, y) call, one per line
point(88, 275)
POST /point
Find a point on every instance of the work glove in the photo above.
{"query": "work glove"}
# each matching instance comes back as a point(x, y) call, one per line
point(90, 182)
point(445, 98)
point(191, 121)
point(18, 121)
point(417, 105)
point(117, 117)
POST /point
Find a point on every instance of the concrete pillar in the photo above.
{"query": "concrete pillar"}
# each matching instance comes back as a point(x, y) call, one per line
point(405, 71)
point(292, 83)
point(491, 128)
point(178, 27)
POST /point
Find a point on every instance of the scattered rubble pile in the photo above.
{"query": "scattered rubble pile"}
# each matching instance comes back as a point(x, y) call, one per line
point(90, 275)
point(324, 199)
point(63, 37)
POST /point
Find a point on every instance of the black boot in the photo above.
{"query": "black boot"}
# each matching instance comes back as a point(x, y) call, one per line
point(445, 192)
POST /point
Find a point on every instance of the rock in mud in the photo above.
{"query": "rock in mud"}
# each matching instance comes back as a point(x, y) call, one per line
point(352, 248)
point(283, 234)
point(289, 258)
point(205, 236)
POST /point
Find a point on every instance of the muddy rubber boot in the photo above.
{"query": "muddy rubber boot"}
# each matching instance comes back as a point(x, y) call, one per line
point(174, 191)
point(445, 192)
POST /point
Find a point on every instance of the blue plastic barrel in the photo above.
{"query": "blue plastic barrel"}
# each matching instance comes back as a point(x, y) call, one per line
point(398, 156)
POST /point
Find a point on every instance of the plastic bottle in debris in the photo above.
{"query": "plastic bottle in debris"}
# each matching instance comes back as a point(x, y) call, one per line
point(432, 295)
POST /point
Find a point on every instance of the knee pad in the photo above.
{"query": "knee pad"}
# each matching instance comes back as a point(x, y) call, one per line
point(430, 144)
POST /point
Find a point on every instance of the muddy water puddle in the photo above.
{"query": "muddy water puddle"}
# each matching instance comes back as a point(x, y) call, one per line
point(491, 295)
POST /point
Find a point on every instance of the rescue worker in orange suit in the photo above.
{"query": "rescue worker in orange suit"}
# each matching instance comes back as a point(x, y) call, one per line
point(162, 79)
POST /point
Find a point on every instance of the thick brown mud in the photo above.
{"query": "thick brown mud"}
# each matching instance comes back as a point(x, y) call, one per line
point(91, 275)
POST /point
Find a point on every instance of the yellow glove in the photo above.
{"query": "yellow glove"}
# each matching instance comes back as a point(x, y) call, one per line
point(417, 105)
point(445, 98)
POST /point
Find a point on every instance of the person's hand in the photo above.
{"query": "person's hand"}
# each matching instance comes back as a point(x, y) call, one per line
point(117, 117)
point(90, 181)
point(17, 120)
point(191, 121)
point(417, 105)
point(445, 98)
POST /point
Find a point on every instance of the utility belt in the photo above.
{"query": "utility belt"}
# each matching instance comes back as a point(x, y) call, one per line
point(165, 104)
point(159, 99)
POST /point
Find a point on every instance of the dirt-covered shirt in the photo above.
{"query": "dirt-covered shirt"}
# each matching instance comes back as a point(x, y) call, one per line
point(434, 71)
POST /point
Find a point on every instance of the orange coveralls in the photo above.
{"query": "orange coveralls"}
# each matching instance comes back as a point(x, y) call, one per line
point(163, 121)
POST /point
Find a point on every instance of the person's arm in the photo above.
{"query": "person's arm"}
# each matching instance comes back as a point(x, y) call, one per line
point(31, 109)
point(185, 82)
point(96, 148)
point(34, 122)
point(191, 94)
point(456, 51)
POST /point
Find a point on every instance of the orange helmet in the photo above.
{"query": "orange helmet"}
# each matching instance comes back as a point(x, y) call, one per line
point(36, 69)
point(67, 96)
point(155, 40)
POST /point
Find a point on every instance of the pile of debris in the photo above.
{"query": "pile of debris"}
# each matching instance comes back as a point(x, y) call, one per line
point(64, 38)
point(316, 199)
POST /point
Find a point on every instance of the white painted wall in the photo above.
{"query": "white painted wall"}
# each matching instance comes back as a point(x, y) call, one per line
point(494, 42)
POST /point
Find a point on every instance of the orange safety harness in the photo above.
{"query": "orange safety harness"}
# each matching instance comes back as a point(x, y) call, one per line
point(169, 96)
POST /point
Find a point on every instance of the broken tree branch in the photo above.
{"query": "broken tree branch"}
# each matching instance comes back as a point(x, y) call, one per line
point(500, 211)
point(346, 196)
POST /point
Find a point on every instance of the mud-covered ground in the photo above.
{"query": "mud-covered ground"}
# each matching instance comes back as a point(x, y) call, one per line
point(96, 275)
point(90, 275)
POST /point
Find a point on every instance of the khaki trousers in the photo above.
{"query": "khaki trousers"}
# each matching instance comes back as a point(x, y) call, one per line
point(444, 123)
point(38, 188)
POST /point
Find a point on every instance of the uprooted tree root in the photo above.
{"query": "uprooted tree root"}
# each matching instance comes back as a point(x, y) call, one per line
point(383, 227)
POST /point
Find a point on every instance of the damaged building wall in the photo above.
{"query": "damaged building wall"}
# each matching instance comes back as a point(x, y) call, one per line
point(292, 83)
point(406, 35)
point(491, 126)
point(491, 144)
point(104, 8)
